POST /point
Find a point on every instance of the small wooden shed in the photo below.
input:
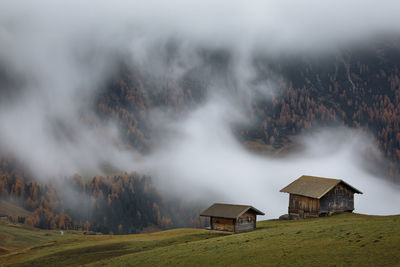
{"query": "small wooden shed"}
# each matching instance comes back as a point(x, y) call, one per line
point(232, 218)
point(312, 196)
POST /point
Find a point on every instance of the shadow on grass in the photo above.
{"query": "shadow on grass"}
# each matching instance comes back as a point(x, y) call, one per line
point(93, 253)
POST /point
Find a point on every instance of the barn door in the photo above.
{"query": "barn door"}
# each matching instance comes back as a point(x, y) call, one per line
point(301, 214)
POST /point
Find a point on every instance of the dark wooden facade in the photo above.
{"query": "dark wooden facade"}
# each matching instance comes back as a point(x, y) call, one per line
point(339, 198)
point(303, 207)
point(311, 197)
point(246, 222)
point(232, 218)
point(222, 224)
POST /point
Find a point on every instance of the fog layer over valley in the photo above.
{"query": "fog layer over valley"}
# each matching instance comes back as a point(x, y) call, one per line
point(200, 71)
point(202, 159)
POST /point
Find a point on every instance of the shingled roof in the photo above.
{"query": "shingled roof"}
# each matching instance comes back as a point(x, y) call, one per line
point(315, 187)
point(228, 211)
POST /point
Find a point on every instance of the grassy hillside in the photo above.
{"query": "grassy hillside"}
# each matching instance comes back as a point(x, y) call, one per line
point(13, 210)
point(346, 239)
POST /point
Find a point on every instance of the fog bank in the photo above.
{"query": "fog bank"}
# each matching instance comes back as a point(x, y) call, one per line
point(55, 56)
point(202, 160)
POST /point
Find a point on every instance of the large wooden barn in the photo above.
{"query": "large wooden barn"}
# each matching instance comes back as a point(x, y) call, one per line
point(232, 218)
point(312, 196)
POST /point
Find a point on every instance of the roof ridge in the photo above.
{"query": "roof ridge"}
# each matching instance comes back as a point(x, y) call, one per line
point(325, 178)
point(217, 203)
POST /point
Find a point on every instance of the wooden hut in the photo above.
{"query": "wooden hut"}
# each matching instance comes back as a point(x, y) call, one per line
point(232, 218)
point(312, 196)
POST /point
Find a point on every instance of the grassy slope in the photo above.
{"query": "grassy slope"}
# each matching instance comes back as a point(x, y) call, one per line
point(347, 239)
point(14, 210)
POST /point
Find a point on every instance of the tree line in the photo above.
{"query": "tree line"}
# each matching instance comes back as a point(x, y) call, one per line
point(125, 203)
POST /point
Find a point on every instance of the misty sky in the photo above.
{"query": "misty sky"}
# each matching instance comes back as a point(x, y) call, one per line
point(56, 55)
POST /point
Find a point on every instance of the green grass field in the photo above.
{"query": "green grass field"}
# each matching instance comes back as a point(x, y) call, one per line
point(341, 240)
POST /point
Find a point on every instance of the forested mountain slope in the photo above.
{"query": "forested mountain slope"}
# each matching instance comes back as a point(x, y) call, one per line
point(358, 88)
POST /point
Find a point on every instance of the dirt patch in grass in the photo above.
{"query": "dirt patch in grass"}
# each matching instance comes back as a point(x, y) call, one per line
point(4, 251)
point(44, 246)
point(5, 238)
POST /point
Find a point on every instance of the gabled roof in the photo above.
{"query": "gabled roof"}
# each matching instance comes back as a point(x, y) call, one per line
point(315, 187)
point(228, 211)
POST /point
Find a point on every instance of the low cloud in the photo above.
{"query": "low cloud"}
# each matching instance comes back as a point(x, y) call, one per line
point(57, 54)
point(203, 160)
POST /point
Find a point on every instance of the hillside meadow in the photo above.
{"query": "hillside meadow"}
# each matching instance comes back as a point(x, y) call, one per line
point(345, 239)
